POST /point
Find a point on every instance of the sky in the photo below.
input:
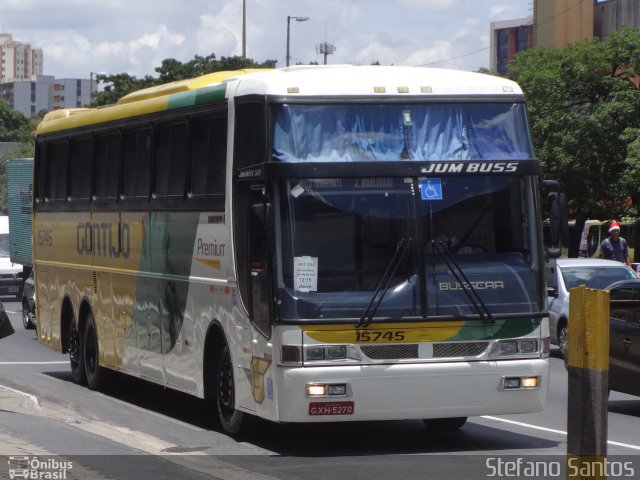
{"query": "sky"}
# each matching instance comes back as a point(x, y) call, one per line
point(134, 36)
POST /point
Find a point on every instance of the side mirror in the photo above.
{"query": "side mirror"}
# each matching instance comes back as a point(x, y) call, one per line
point(558, 221)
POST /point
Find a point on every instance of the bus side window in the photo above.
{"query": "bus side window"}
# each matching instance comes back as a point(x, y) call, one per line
point(137, 164)
point(80, 165)
point(251, 135)
point(55, 181)
point(208, 156)
point(107, 166)
point(170, 160)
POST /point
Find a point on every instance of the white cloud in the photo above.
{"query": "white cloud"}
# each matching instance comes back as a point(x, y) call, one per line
point(79, 36)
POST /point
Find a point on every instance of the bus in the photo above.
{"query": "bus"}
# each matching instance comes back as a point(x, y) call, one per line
point(306, 244)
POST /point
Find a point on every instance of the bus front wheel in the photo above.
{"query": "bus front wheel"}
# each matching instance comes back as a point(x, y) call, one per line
point(93, 370)
point(231, 420)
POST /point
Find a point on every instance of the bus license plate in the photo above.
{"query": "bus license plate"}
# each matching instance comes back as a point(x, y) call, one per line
point(331, 408)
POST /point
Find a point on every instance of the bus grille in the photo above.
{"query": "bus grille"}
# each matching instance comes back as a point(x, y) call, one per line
point(458, 349)
point(410, 351)
point(390, 352)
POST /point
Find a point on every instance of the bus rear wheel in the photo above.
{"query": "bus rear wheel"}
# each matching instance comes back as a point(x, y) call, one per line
point(76, 356)
point(231, 420)
point(444, 424)
point(93, 370)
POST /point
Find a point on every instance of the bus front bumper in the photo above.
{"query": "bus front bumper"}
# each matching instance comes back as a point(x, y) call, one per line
point(410, 391)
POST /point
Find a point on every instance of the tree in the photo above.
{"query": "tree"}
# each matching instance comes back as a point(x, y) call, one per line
point(171, 70)
point(14, 126)
point(583, 109)
point(118, 86)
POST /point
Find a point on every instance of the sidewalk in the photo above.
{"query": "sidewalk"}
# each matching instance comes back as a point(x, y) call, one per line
point(12, 400)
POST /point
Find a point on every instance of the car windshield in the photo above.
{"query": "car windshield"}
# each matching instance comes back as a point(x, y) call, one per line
point(595, 276)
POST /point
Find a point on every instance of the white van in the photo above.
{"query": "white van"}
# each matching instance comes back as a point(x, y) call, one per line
point(10, 273)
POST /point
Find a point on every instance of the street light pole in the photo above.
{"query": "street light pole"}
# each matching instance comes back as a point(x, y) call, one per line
point(244, 28)
point(297, 19)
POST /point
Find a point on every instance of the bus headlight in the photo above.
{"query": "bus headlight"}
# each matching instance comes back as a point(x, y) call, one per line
point(327, 389)
point(330, 353)
point(516, 348)
point(520, 383)
point(319, 354)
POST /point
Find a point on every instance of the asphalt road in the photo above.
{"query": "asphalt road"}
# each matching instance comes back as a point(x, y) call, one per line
point(138, 430)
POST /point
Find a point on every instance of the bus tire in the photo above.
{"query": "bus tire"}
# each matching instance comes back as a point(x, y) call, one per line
point(93, 370)
point(76, 355)
point(444, 424)
point(231, 420)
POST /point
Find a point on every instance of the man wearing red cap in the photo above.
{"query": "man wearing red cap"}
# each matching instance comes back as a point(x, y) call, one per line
point(615, 247)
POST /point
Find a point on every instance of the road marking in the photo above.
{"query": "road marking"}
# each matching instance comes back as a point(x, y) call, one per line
point(36, 363)
point(561, 432)
point(19, 394)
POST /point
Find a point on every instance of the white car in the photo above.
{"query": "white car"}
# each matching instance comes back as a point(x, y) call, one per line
point(564, 274)
point(10, 273)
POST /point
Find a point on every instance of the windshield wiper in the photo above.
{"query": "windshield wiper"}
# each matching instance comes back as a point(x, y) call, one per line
point(384, 282)
point(467, 287)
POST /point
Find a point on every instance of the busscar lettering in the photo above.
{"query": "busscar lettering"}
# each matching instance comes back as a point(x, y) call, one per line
point(481, 285)
point(103, 239)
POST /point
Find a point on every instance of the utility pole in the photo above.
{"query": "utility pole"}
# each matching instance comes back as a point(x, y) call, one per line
point(244, 28)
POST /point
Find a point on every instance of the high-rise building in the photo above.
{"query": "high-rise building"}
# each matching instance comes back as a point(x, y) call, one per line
point(508, 38)
point(18, 61)
point(610, 15)
point(557, 23)
point(46, 93)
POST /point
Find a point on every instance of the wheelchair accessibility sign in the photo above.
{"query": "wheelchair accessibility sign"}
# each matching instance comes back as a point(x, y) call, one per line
point(431, 189)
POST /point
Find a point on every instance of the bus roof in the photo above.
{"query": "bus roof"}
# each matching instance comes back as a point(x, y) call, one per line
point(350, 80)
point(307, 80)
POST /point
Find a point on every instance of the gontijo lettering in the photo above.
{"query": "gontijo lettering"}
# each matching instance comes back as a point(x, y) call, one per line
point(103, 239)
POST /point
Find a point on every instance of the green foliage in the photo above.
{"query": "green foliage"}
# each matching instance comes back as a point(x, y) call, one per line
point(14, 126)
point(583, 112)
point(171, 70)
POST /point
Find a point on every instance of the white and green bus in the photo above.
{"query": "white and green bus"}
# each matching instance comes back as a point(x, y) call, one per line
point(308, 244)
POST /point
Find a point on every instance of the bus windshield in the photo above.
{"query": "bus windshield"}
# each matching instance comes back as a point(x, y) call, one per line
point(339, 236)
point(389, 132)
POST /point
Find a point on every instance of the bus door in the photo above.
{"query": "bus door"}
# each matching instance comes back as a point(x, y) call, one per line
point(255, 281)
